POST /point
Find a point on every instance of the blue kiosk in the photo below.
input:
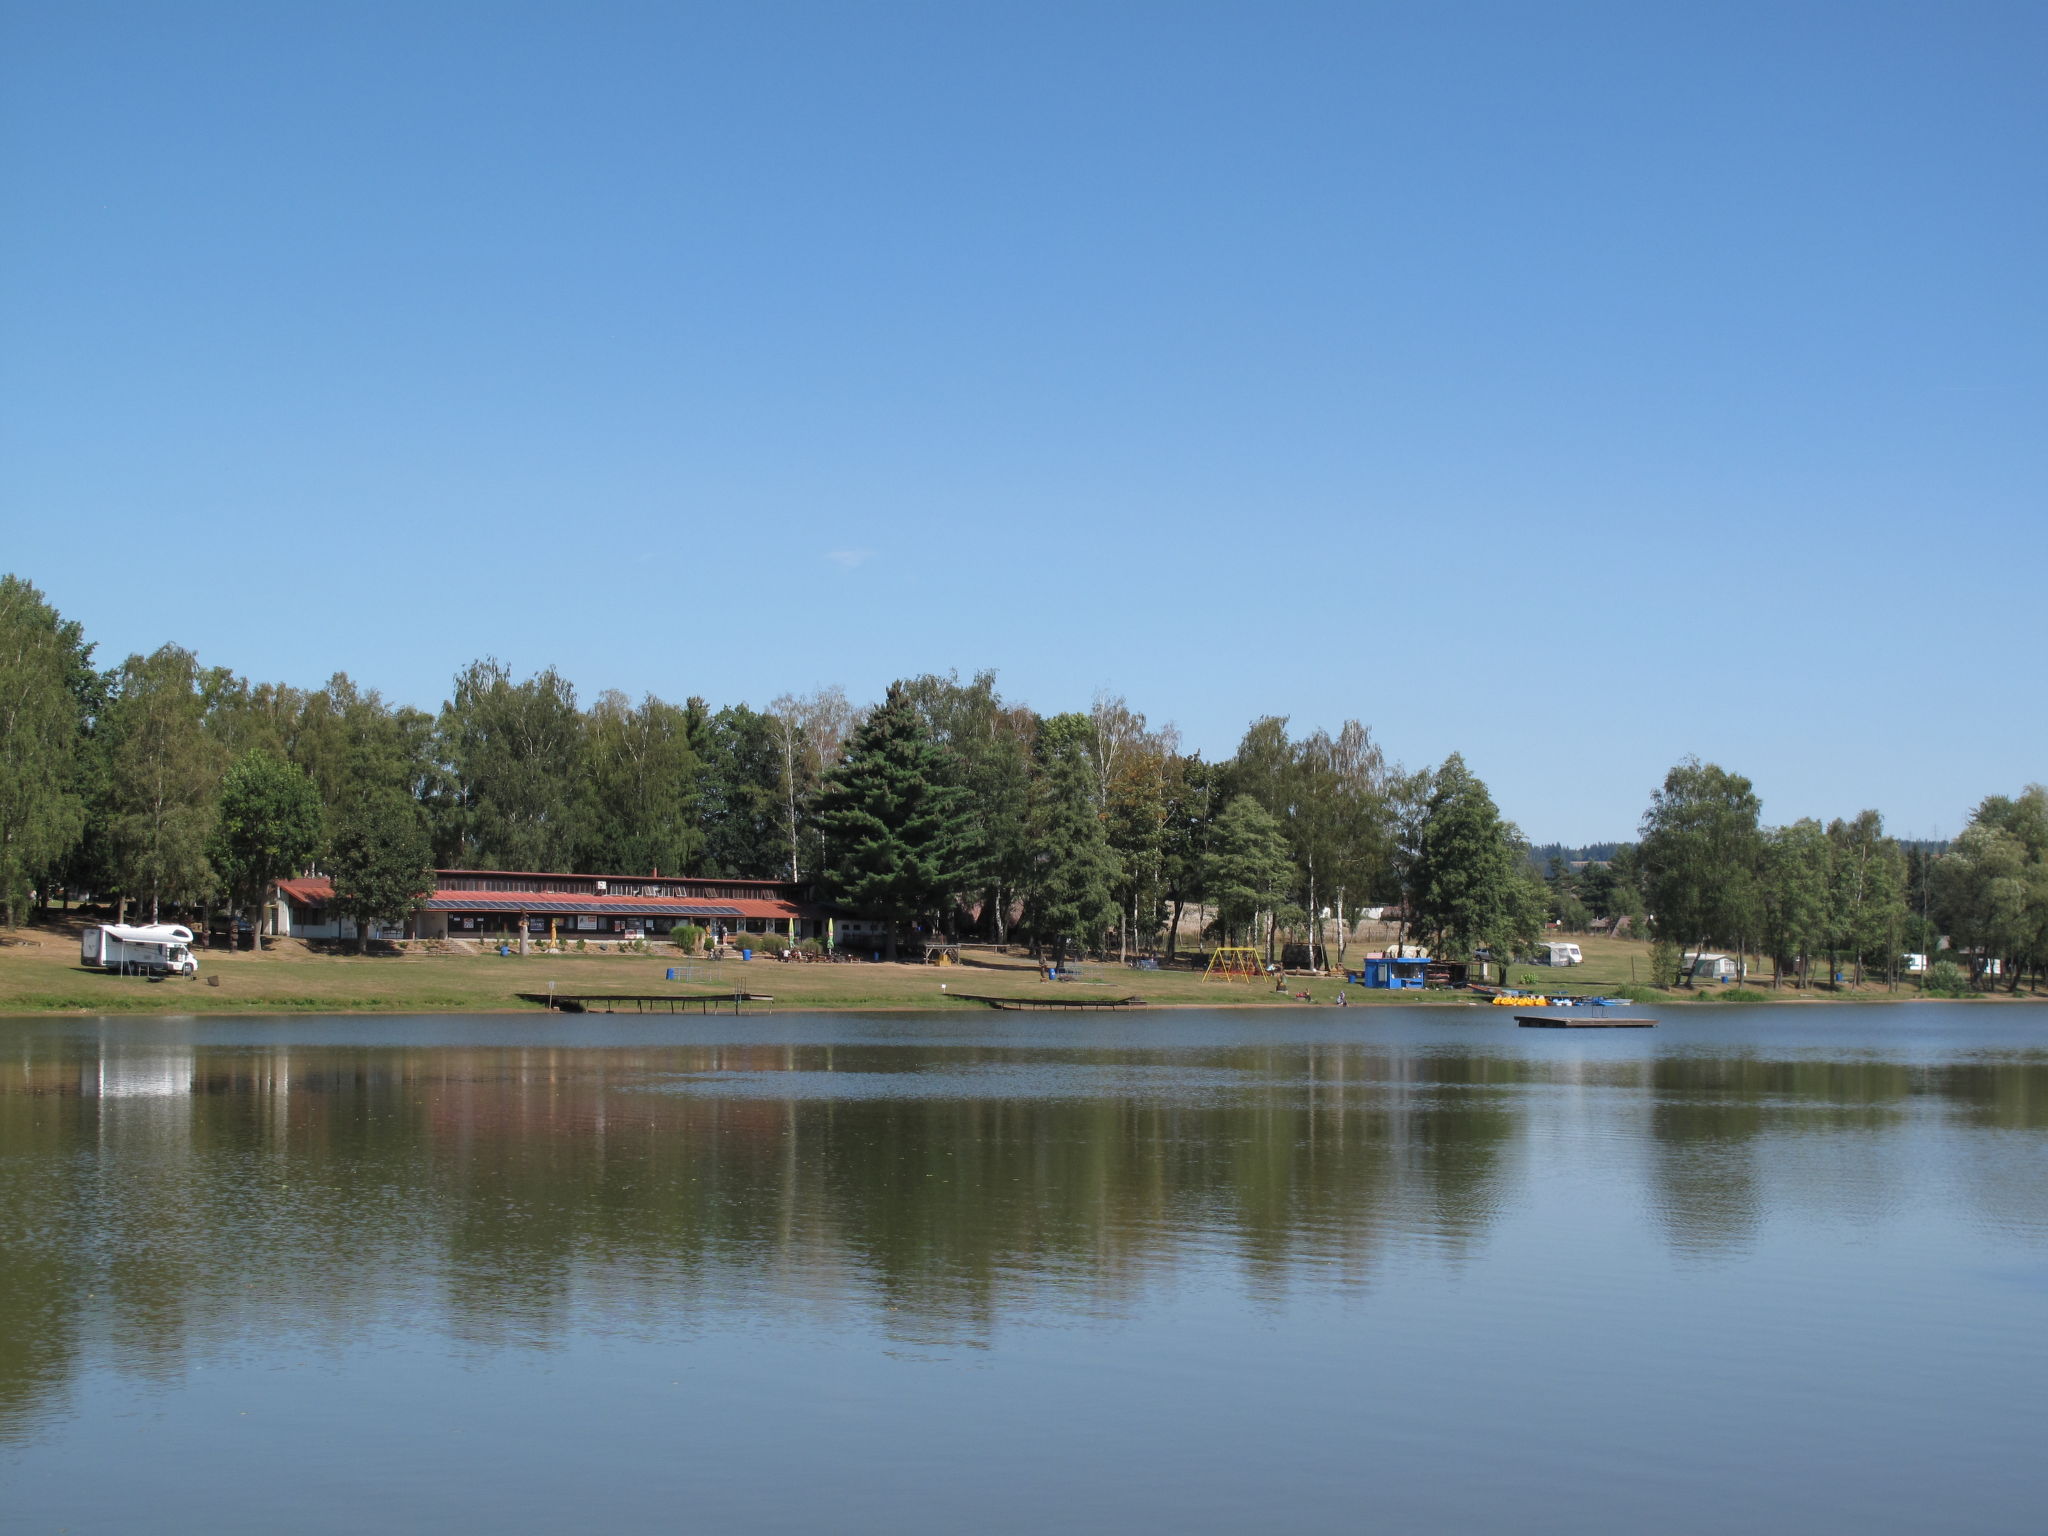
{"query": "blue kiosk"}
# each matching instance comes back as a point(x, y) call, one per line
point(1391, 974)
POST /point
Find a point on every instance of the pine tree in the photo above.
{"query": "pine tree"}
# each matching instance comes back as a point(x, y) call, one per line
point(1246, 869)
point(1071, 893)
point(894, 819)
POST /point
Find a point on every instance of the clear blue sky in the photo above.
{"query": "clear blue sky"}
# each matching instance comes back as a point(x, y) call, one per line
point(1576, 386)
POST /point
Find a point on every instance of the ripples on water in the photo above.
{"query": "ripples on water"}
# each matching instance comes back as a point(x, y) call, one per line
point(1200, 1271)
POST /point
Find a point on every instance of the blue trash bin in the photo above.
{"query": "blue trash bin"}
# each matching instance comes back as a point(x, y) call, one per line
point(746, 954)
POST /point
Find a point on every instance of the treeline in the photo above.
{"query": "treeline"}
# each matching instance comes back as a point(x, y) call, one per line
point(168, 785)
point(1843, 892)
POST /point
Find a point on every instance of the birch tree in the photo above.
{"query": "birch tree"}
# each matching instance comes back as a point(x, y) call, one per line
point(40, 727)
point(163, 776)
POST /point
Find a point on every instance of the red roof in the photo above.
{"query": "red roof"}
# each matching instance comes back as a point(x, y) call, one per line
point(556, 874)
point(318, 890)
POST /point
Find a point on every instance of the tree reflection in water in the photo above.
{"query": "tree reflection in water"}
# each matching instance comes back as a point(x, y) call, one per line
point(164, 1202)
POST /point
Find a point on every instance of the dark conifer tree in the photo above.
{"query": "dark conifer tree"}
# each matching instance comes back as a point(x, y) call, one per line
point(1073, 871)
point(894, 819)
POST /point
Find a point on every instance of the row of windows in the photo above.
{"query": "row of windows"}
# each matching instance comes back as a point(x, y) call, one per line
point(571, 926)
point(574, 886)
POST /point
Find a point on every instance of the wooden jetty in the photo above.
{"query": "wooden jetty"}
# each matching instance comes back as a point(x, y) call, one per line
point(1591, 1019)
point(643, 1002)
point(1020, 1003)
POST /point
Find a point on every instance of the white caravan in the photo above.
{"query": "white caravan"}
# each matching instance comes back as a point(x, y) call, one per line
point(156, 949)
point(1559, 954)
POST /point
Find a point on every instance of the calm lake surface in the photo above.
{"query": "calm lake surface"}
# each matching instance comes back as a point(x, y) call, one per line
point(1390, 1270)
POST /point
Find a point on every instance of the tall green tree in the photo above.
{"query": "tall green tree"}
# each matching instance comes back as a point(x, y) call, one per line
point(514, 754)
point(1246, 869)
point(1407, 809)
point(641, 782)
point(740, 796)
point(1794, 905)
point(2024, 818)
point(1344, 844)
point(352, 744)
point(1990, 890)
point(1071, 890)
point(268, 825)
point(381, 863)
point(241, 716)
point(163, 778)
point(1333, 798)
point(1868, 894)
point(1700, 849)
point(895, 818)
point(1132, 763)
point(990, 745)
point(41, 731)
point(1189, 817)
point(1472, 885)
point(809, 732)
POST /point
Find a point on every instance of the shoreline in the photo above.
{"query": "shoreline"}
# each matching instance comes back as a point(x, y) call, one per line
point(41, 977)
point(281, 1008)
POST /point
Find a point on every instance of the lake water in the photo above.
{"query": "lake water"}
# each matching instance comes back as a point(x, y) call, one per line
point(1388, 1270)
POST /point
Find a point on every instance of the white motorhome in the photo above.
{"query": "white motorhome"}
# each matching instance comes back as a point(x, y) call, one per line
point(156, 949)
point(1559, 954)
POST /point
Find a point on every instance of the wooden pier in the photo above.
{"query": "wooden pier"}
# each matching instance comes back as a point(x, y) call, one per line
point(1590, 1020)
point(1020, 1003)
point(643, 1002)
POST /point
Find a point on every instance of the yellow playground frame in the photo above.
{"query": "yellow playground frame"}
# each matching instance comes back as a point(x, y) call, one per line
point(1240, 964)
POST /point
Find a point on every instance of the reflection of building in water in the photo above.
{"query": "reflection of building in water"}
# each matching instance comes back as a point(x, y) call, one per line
point(138, 1073)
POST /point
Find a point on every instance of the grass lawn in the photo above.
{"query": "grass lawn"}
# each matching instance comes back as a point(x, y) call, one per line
point(41, 974)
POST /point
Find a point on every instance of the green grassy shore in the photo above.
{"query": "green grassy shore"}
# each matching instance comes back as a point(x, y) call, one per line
point(40, 974)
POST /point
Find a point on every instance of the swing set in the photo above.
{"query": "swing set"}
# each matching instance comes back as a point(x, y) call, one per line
point(1235, 964)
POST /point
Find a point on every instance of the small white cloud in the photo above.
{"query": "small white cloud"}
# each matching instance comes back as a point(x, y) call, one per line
point(850, 557)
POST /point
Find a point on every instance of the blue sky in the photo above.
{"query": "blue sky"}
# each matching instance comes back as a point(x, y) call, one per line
point(1575, 386)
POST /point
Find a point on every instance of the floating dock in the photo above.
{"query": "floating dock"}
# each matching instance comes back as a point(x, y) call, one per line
point(1590, 1020)
point(1049, 1002)
point(643, 1002)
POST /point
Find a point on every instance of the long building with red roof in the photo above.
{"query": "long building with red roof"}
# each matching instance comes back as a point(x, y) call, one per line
point(499, 905)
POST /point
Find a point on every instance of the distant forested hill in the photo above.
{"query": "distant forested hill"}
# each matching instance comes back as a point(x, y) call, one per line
point(1541, 855)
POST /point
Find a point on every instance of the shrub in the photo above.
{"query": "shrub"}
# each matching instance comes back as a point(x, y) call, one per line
point(812, 947)
point(1630, 992)
point(688, 937)
point(763, 943)
point(1740, 995)
point(579, 946)
point(1664, 960)
point(1946, 979)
